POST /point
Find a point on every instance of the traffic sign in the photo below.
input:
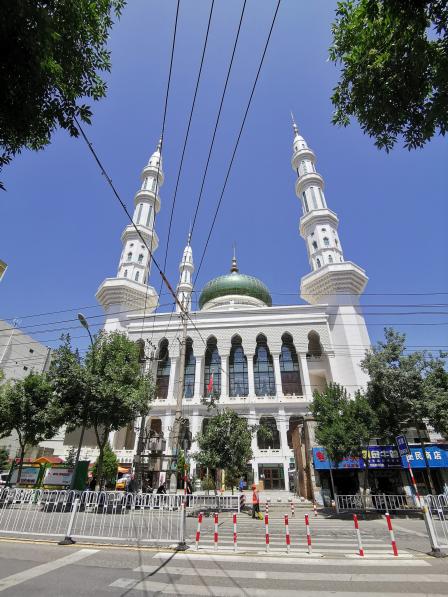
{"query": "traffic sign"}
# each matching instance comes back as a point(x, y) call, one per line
point(402, 445)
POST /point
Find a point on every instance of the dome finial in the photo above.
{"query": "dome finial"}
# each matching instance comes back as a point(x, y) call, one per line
point(234, 267)
point(159, 144)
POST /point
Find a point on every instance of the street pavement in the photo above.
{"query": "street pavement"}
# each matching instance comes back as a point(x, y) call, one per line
point(48, 570)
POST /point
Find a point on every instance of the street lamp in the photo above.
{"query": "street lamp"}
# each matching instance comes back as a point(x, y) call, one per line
point(85, 324)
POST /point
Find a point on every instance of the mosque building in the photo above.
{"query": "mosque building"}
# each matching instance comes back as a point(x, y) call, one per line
point(264, 361)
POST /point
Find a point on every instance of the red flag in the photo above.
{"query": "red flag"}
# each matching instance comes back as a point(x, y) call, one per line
point(210, 385)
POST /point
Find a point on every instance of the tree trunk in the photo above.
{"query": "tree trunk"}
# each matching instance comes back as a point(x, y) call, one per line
point(332, 483)
point(432, 489)
point(366, 482)
point(22, 454)
point(99, 466)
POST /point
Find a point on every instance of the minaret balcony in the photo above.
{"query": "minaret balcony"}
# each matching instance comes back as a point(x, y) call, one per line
point(146, 196)
point(308, 179)
point(345, 278)
point(149, 234)
point(149, 169)
point(317, 217)
point(304, 153)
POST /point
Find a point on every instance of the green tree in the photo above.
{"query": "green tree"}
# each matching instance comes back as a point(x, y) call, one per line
point(110, 466)
point(27, 407)
point(394, 65)
point(52, 55)
point(71, 457)
point(225, 443)
point(436, 391)
point(4, 458)
point(403, 388)
point(344, 426)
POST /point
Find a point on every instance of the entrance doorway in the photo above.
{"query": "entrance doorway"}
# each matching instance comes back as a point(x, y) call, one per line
point(272, 475)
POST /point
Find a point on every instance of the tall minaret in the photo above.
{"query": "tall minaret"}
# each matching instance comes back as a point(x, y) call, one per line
point(333, 281)
point(185, 286)
point(129, 290)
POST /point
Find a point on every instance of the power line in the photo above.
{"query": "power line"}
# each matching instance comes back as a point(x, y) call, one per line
point(238, 138)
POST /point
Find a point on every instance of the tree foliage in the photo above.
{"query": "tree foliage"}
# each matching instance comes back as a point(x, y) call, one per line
point(27, 407)
point(436, 391)
point(225, 443)
point(52, 55)
point(106, 391)
point(394, 75)
point(4, 458)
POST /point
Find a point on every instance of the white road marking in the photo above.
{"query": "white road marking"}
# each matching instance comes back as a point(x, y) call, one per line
point(291, 560)
point(282, 575)
point(216, 591)
point(20, 577)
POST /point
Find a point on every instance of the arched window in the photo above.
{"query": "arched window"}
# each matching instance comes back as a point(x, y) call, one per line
point(186, 437)
point(326, 241)
point(293, 424)
point(140, 258)
point(330, 259)
point(268, 437)
point(238, 383)
point(305, 203)
point(289, 368)
point(140, 207)
point(318, 262)
point(313, 197)
point(137, 276)
point(314, 345)
point(264, 378)
point(129, 256)
point(125, 273)
point(212, 369)
point(190, 370)
point(163, 370)
point(314, 244)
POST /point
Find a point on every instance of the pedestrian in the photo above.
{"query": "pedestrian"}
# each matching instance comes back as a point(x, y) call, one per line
point(242, 484)
point(162, 489)
point(255, 501)
point(189, 491)
point(132, 485)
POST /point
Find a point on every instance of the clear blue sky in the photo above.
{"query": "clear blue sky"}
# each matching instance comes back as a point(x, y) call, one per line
point(61, 224)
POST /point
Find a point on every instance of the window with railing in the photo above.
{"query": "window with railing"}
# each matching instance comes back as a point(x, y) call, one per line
point(264, 378)
point(268, 436)
point(289, 368)
point(212, 369)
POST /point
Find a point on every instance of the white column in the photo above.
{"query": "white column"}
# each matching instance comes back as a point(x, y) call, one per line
point(253, 421)
point(250, 373)
point(198, 377)
point(282, 425)
point(195, 428)
point(277, 373)
point(224, 376)
point(305, 377)
point(172, 382)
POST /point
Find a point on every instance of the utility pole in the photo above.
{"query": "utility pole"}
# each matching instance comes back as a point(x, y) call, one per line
point(178, 420)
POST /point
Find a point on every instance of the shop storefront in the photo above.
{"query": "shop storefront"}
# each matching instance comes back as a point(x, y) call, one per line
point(388, 471)
point(272, 476)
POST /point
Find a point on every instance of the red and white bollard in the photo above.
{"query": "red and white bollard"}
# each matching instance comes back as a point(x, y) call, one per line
point(287, 537)
point(266, 526)
point(308, 533)
point(358, 535)
point(391, 532)
point(235, 536)
point(198, 530)
point(215, 534)
point(293, 513)
point(315, 509)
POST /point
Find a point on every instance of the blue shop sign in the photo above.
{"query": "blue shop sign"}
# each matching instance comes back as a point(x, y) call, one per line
point(385, 457)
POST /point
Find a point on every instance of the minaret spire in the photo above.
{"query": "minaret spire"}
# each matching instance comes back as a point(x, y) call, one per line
point(129, 289)
point(234, 267)
point(331, 274)
point(185, 286)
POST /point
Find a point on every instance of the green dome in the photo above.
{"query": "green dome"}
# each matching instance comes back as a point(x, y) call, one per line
point(235, 283)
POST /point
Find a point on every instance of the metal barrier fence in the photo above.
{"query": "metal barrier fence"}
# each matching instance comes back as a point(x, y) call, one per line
point(95, 515)
point(380, 502)
point(438, 508)
point(214, 502)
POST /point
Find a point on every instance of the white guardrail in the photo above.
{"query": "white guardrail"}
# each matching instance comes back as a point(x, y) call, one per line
point(438, 508)
point(381, 502)
point(104, 515)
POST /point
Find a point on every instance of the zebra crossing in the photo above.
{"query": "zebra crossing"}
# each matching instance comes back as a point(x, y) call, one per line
point(230, 575)
point(328, 536)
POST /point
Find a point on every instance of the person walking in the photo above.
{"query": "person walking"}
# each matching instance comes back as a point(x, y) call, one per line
point(242, 484)
point(255, 501)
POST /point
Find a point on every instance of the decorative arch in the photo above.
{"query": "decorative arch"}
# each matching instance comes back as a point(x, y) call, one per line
point(271, 441)
point(190, 370)
point(238, 380)
point(212, 368)
point(314, 345)
point(264, 377)
point(289, 367)
point(163, 370)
